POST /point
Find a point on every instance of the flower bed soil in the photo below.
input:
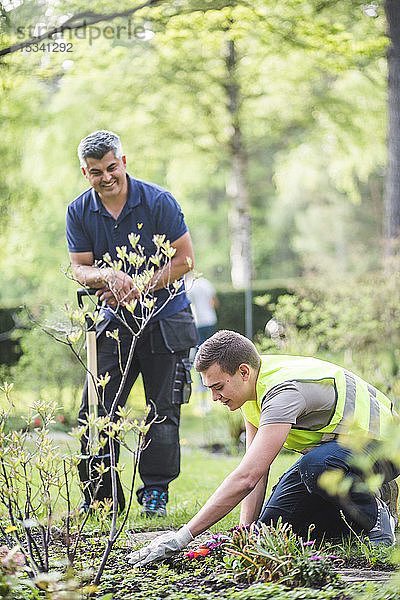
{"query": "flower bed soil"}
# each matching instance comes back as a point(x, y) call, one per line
point(183, 579)
point(198, 579)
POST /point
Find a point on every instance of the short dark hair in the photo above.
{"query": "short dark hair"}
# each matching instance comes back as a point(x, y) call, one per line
point(97, 144)
point(229, 350)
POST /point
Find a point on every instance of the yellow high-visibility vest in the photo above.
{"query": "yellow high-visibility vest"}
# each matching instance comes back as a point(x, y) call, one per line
point(358, 405)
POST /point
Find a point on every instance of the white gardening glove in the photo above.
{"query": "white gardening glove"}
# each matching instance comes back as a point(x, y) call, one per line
point(162, 547)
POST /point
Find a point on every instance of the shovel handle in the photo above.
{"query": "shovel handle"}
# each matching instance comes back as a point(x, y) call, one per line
point(84, 292)
point(91, 347)
point(91, 362)
point(81, 293)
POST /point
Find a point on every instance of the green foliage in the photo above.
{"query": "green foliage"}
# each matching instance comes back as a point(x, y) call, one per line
point(201, 473)
point(387, 591)
point(33, 481)
point(47, 369)
point(35, 493)
point(275, 554)
point(33, 476)
point(354, 551)
point(205, 582)
point(314, 138)
point(347, 320)
point(273, 591)
point(12, 567)
point(313, 121)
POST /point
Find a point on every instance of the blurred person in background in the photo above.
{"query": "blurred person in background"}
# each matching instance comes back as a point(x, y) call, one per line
point(204, 302)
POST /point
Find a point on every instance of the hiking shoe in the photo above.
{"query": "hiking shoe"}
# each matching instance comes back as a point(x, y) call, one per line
point(83, 508)
point(154, 503)
point(382, 534)
point(389, 493)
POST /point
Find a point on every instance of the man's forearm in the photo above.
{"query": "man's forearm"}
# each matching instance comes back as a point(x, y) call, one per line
point(252, 504)
point(92, 276)
point(224, 499)
point(259, 456)
point(97, 277)
point(170, 273)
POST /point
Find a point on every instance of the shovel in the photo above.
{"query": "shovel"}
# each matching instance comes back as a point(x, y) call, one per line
point(95, 486)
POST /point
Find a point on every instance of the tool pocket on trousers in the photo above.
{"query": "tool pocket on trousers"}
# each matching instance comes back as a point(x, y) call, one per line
point(178, 332)
point(182, 388)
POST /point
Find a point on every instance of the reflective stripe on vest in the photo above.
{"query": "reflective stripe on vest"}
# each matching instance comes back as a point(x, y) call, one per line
point(358, 404)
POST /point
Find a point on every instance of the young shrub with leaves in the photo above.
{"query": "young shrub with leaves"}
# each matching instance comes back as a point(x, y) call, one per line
point(32, 514)
point(115, 425)
point(32, 477)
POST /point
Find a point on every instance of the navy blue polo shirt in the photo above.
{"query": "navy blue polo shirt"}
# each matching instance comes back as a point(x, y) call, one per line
point(149, 210)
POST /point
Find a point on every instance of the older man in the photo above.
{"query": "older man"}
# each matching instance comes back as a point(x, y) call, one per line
point(98, 221)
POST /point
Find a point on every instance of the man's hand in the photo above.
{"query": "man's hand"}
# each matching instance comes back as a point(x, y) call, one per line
point(162, 547)
point(120, 288)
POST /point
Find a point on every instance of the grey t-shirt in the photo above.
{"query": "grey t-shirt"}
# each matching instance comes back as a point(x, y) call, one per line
point(307, 405)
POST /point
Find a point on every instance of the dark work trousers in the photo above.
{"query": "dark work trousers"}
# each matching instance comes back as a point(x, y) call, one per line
point(300, 501)
point(158, 357)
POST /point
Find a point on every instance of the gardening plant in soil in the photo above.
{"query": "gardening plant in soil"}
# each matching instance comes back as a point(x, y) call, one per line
point(247, 562)
point(32, 482)
point(270, 553)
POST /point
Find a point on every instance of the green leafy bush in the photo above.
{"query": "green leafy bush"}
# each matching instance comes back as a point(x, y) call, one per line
point(48, 370)
point(276, 554)
point(351, 322)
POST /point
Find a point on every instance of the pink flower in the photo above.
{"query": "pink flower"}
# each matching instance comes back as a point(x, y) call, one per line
point(195, 553)
point(10, 560)
point(316, 557)
point(310, 543)
point(216, 540)
point(19, 559)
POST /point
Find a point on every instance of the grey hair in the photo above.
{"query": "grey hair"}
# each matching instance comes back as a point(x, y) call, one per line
point(97, 144)
point(229, 350)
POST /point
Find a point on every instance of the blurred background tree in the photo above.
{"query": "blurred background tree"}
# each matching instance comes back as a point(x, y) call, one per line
point(268, 112)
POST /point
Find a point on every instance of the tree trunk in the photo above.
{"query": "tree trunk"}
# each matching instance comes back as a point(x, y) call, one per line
point(392, 192)
point(236, 186)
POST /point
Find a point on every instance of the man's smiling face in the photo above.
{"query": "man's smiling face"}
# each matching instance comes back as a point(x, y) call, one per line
point(231, 390)
point(107, 175)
